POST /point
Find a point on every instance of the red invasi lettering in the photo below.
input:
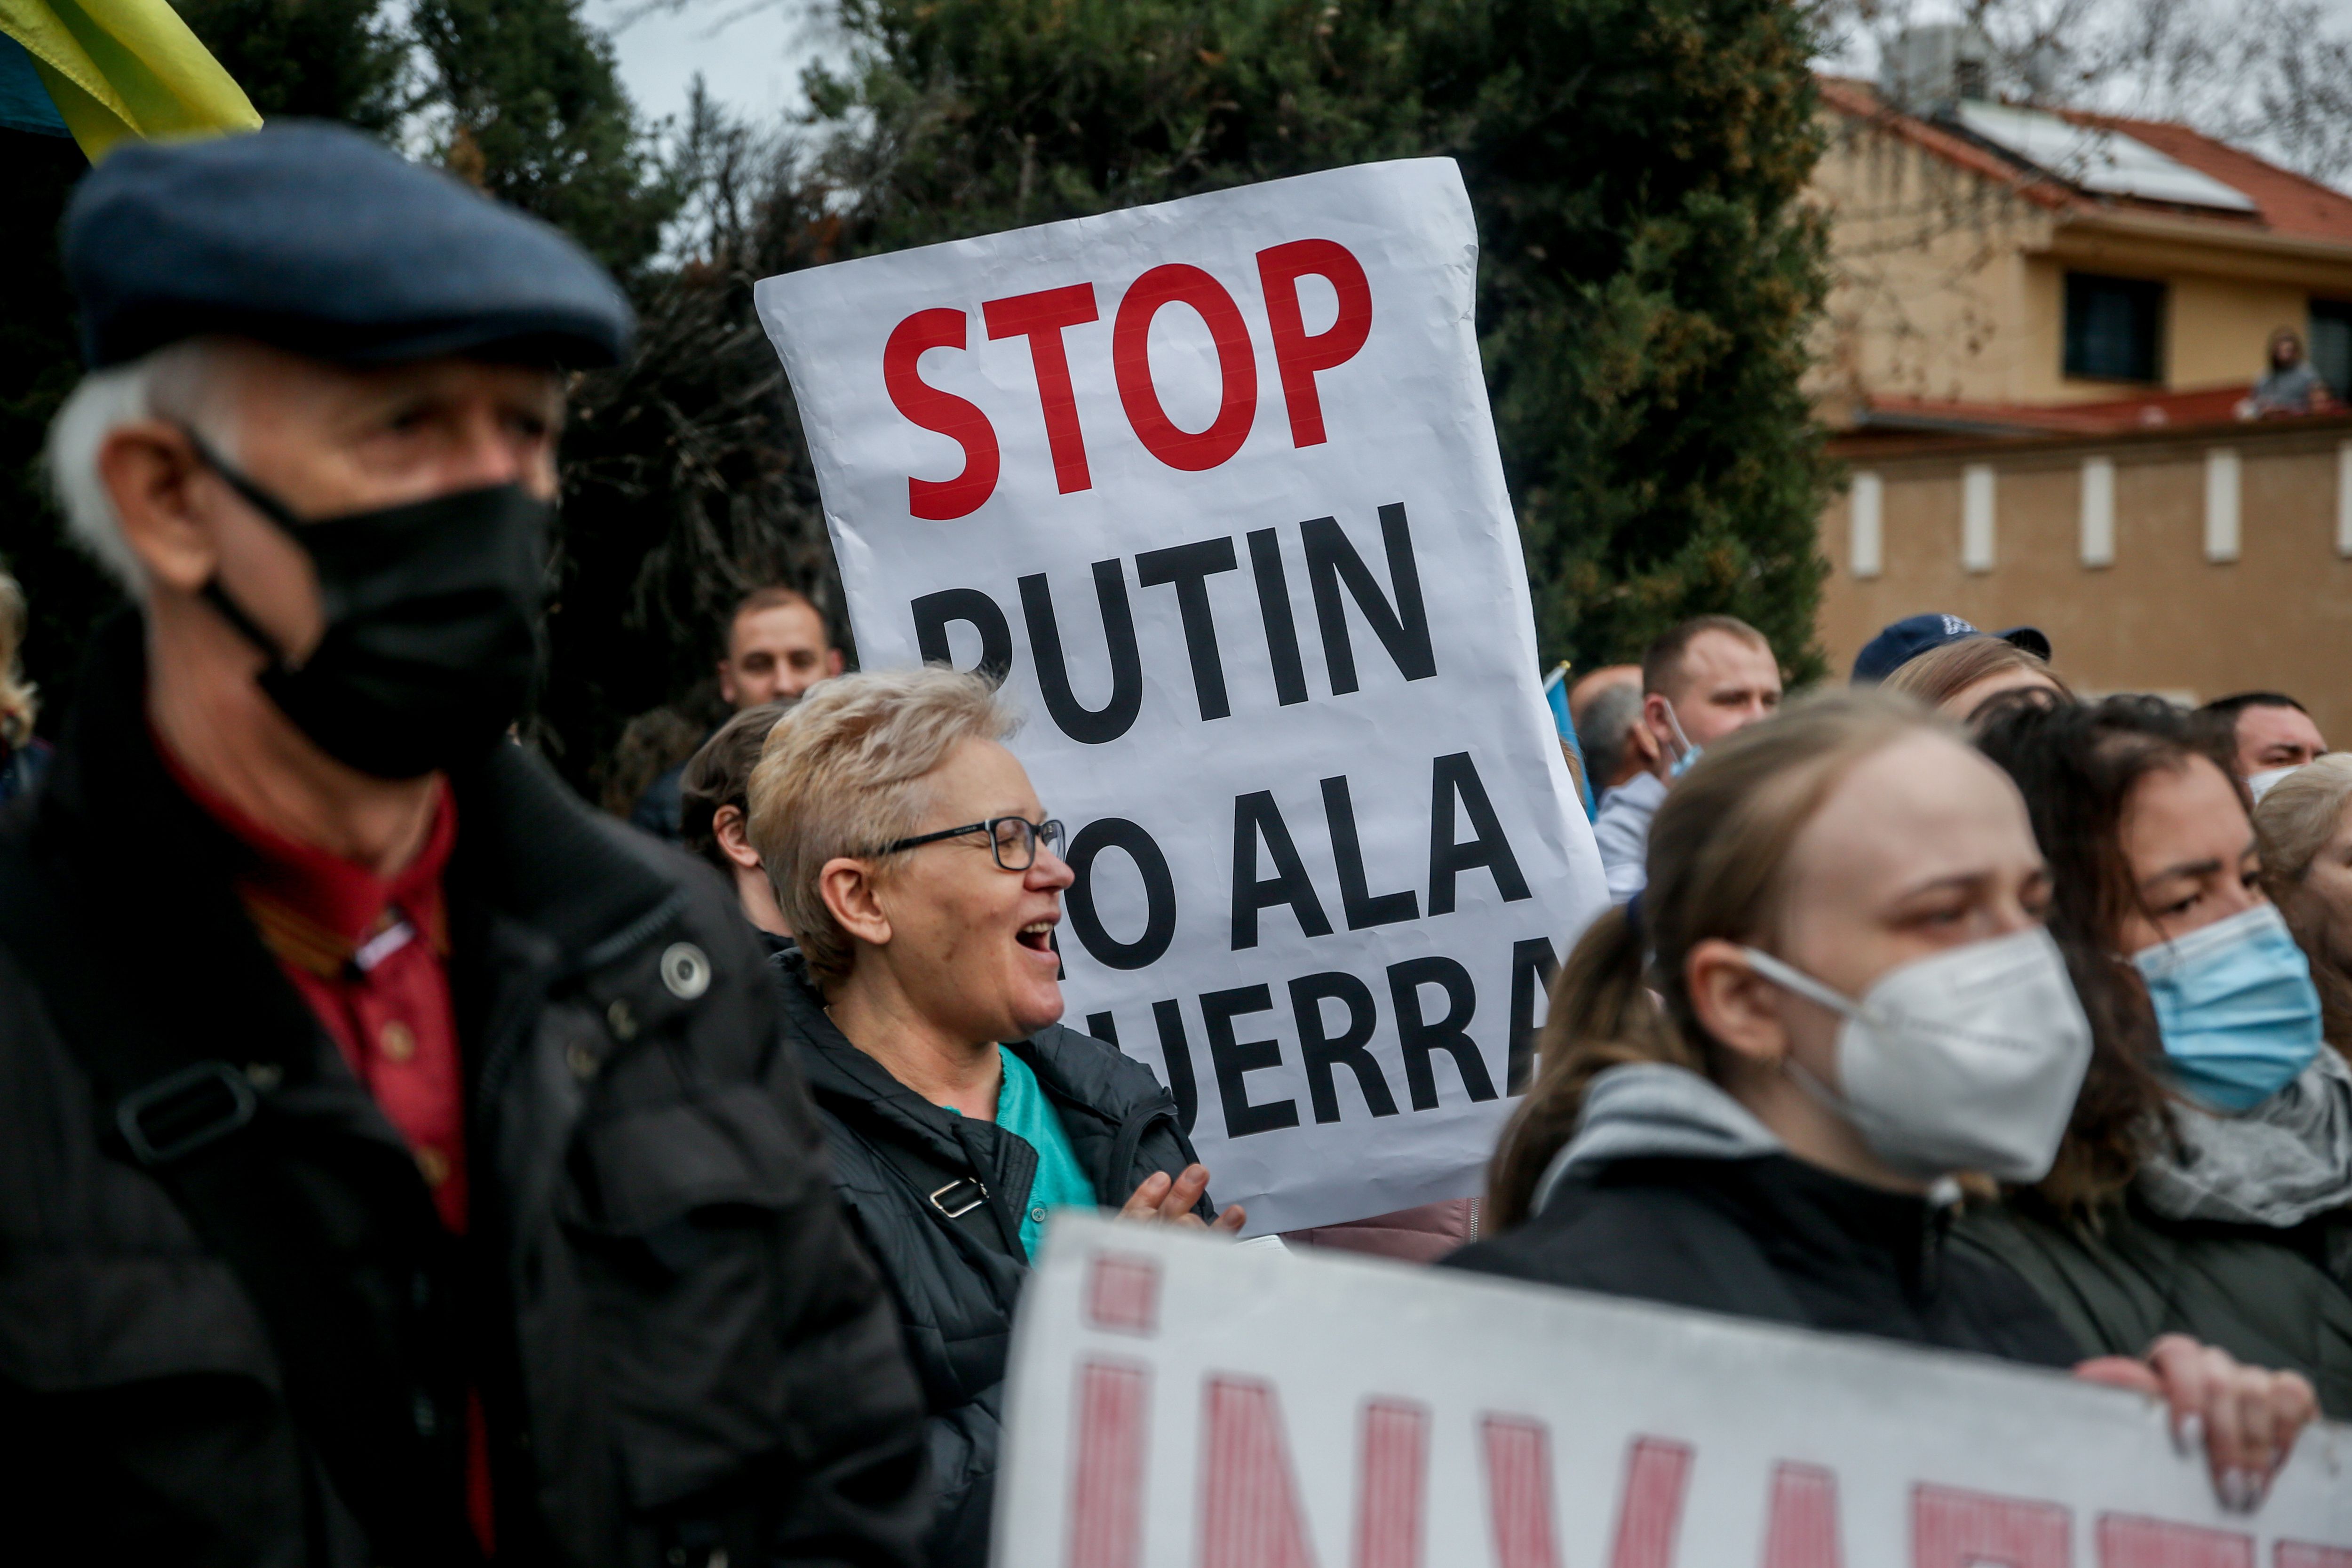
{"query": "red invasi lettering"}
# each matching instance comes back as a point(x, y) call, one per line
point(1393, 1485)
point(1041, 317)
point(1518, 1491)
point(1297, 354)
point(1249, 1502)
point(1106, 1490)
point(1123, 1293)
point(1131, 353)
point(943, 412)
point(2302, 1555)
point(1803, 1530)
point(1651, 1507)
point(1972, 1530)
point(2126, 1541)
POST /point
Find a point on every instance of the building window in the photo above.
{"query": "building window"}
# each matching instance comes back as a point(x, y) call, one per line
point(2114, 328)
point(2331, 345)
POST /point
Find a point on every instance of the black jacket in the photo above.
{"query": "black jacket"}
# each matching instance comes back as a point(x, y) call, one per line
point(263, 1352)
point(1770, 1237)
point(2120, 1279)
point(956, 1282)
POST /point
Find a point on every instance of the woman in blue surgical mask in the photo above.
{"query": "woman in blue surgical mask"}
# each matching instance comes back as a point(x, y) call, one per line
point(2205, 1183)
point(1759, 1078)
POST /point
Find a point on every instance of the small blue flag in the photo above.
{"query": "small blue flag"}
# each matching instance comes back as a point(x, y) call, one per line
point(1556, 693)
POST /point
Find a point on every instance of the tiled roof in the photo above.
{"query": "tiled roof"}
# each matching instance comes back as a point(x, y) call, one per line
point(1861, 101)
point(2287, 203)
point(2148, 411)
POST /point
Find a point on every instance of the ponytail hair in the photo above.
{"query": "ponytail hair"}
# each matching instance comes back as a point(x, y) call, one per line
point(1718, 847)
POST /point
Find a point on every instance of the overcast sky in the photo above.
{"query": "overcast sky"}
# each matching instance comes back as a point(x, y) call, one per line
point(751, 52)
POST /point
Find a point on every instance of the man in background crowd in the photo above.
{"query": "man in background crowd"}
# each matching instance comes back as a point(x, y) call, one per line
point(1700, 681)
point(1607, 710)
point(777, 646)
point(2267, 734)
point(347, 1225)
point(714, 798)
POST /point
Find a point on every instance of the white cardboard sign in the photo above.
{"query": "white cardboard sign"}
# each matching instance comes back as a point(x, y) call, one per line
point(1175, 1403)
point(1217, 482)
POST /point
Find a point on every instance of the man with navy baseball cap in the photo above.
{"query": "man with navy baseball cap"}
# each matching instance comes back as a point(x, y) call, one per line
point(399, 1163)
point(1899, 643)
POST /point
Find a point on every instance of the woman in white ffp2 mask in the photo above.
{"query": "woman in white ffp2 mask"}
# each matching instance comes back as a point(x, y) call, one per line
point(1834, 995)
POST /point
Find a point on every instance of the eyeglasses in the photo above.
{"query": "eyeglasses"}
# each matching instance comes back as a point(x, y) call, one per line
point(1013, 840)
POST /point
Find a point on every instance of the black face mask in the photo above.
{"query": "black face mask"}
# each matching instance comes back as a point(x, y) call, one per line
point(432, 634)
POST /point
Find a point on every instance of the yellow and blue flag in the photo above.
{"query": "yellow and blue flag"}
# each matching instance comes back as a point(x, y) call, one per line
point(99, 70)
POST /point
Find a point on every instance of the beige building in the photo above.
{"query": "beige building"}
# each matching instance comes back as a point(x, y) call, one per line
point(2035, 360)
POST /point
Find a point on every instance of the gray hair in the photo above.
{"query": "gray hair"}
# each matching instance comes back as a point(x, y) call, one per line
point(1608, 725)
point(173, 383)
point(847, 771)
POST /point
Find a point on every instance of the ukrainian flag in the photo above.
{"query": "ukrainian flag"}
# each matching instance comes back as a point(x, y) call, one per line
point(99, 70)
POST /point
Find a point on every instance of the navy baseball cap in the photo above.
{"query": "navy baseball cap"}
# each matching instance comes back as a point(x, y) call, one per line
point(1907, 638)
point(321, 241)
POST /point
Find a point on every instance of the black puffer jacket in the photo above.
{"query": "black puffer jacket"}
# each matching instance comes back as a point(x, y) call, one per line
point(2126, 1275)
point(668, 1324)
point(956, 1282)
point(1671, 1193)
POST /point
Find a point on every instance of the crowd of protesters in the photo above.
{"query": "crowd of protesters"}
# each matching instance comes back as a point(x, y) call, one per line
point(460, 1175)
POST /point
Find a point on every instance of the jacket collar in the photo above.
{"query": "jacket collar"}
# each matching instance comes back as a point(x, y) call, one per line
point(115, 834)
point(1649, 1109)
point(1652, 1122)
point(845, 1079)
point(1074, 1072)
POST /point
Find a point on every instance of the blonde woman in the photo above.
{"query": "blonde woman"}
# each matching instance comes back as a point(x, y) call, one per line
point(1834, 994)
point(22, 759)
point(922, 877)
point(2305, 824)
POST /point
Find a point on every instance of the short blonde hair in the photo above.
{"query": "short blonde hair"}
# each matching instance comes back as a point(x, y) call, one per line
point(844, 773)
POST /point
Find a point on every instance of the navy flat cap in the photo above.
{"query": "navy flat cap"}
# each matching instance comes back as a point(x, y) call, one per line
point(1905, 640)
point(313, 237)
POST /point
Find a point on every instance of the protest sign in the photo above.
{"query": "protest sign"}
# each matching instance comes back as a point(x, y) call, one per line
point(1178, 1403)
point(1215, 483)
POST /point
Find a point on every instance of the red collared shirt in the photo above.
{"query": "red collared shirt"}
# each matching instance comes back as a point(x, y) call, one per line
point(368, 954)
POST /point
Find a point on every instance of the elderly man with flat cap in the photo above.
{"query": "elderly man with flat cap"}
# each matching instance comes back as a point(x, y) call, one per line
point(399, 1164)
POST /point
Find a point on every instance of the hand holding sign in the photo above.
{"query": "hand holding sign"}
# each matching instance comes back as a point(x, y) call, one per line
point(1214, 486)
point(1172, 1404)
point(2246, 1417)
point(1171, 1199)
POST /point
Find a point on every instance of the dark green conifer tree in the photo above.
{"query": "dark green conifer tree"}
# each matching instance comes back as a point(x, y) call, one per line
point(529, 106)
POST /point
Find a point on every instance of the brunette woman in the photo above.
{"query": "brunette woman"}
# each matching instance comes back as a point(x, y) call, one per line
point(2205, 1183)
